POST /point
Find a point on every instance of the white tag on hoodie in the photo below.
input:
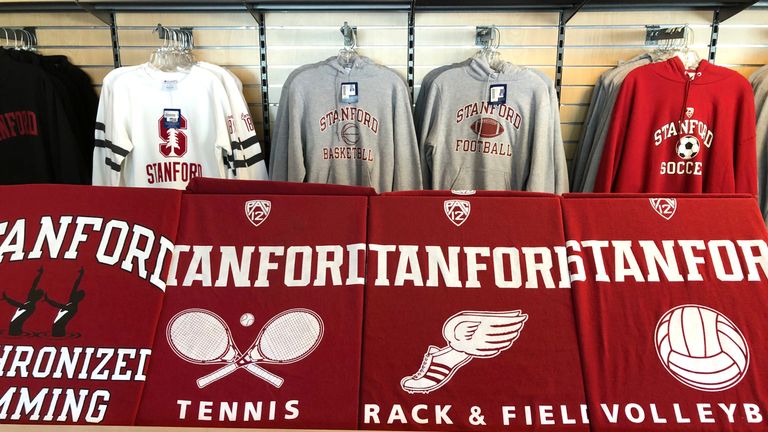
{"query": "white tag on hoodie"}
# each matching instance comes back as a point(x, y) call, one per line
point(349, 92)
point(498, 94)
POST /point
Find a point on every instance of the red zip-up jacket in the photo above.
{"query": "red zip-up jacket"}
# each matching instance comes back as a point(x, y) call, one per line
point(678, 130)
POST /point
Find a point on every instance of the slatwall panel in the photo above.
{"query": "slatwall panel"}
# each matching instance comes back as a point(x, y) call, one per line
point(78, 35)
point(227, 39)
point(597, 41)
point(594, 43)
point(743, 41)
point(299, 38)
point(441, 38)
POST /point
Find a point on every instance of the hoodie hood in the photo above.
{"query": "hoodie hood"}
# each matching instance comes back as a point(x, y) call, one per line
point(706, 73)
point(480, 70)
point(358, 62)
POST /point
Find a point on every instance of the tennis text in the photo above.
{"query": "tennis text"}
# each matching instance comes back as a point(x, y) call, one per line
point(248, 411)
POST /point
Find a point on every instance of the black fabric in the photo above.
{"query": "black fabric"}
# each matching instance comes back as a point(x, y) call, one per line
point(37, 139)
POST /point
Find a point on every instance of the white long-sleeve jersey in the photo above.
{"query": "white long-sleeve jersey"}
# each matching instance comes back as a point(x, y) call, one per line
point(163, 128)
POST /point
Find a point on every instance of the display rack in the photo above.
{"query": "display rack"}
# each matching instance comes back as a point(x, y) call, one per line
point(105, 11)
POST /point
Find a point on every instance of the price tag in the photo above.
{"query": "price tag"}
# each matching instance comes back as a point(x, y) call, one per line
point(349, 92)
point(172, 118)
point(498, 94)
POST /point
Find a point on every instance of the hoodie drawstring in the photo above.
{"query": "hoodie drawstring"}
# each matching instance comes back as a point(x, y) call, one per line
point(685, 105)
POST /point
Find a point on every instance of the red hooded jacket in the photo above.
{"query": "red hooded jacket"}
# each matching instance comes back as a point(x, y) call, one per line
point(678, 130)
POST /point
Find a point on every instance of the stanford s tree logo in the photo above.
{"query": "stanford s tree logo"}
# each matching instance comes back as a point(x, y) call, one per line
point(457, 211)
point(665, 207)
point(257, 211)
point(170, 126)
point(701, 348)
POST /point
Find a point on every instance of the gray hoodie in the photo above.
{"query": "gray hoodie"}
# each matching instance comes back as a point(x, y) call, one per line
point(321, 137)
point(468, 143)
point(759, 82)
point(586, 159)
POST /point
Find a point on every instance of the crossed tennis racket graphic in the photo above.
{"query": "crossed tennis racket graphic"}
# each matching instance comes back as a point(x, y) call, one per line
point(201, 337)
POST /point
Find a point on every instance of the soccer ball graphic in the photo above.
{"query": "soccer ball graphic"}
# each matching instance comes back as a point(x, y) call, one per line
point(701, 348)
point(688, 147)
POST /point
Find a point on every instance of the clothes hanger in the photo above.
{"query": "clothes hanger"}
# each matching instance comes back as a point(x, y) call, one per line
point(349, 52)
point(489, 39)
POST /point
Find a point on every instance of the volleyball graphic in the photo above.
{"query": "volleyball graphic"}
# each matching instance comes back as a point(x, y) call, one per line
point(701, 348)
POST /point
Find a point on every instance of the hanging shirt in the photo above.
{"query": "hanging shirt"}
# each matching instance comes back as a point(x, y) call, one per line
point(346, 125)
point(165, 129)
point(483, 129)
point(678, 130)
point(36, 138)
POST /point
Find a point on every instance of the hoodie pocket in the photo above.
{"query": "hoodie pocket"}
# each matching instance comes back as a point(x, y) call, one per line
point(481, 179)
point(351, 172)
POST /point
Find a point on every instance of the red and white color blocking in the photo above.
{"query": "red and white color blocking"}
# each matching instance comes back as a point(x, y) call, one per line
point(461, 329)
point(670, 295)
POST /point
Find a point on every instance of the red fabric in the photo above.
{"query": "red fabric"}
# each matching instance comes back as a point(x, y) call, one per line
point(319, 391)
point(620, 323)
point(540, 370)
point(205, 185)
point(640, 149)
point(460, 193)
point(109, 317)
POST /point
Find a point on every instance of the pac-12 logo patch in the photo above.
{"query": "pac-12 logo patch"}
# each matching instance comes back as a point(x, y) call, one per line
point(457, 211)
point(257, 211)
point(689, 112)
point(665, 207)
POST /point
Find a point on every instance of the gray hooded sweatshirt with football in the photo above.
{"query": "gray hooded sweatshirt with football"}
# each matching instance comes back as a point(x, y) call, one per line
point(322, 137)
point(468, 142)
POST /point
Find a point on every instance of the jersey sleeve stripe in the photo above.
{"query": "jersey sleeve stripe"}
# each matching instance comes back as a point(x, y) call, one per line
point(100, 126)
point(110, 163)
point(250, 161)
point(249, 142)
point(115, 149)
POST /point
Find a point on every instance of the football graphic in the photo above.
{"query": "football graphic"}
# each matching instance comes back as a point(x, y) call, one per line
point(487, 128)
point(688, 147)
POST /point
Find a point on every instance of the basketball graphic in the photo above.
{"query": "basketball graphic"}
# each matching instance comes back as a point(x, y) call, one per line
point(350, 133)
point(701, 348)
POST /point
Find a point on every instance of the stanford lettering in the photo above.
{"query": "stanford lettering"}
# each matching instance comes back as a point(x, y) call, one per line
point(18, 123)
point(355, 114)
point(502, 111)
point(644, 261)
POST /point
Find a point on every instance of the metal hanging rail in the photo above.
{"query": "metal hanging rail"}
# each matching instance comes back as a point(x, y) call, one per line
point(102, 8)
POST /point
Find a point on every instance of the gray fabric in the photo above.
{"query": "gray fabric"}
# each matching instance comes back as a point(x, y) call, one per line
point(317, 141)
point(613, 82)
point(426, 83)
point(587, 157)
point(277, 131)
point(579, 161)
point(454, 156)
point(759, 82)
point(561, 163)
point(758, 74)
